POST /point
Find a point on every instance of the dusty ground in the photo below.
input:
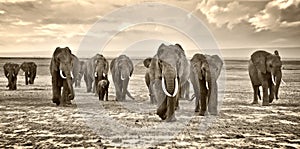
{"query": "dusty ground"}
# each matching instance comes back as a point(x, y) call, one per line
point(28, 119)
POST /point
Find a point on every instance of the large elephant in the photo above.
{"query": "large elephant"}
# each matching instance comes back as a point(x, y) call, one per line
point(61, 69)
point(92, 69)
point(121, 69)
point(168, 79)
point(205, 70)
point(265, 70)
point(11, 71)
point(30, 71)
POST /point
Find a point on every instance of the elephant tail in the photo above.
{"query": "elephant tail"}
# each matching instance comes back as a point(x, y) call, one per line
point(193, 97)
point(129, 95)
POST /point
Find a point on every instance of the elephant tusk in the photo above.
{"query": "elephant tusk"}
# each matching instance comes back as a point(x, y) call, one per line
point(273, 80)
point(206, 84)
point(176, 87)
point(122, 78)
point(61, 74)
point(283, 82)
point(104, 74)
point(165, 90)
point(96, 75)
point(72, 76)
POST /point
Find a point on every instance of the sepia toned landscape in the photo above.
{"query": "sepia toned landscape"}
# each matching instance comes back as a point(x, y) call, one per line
point(29, 119)
point(213, 35)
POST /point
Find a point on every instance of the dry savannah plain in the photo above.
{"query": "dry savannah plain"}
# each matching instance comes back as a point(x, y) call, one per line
point(29, 119)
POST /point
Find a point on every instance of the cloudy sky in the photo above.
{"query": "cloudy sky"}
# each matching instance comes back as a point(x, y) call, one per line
point(37, 27)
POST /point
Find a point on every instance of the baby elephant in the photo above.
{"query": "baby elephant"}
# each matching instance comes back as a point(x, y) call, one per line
point(102, 89)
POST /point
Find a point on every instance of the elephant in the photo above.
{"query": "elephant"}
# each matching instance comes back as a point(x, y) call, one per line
point(265, 70)
point(92, 69)
point(11, 71)
point(205, 71)
point(121, 69)
point(61, 69)
point(80, 74)
point(30, 71)
point(168, 74)
point(102, 89)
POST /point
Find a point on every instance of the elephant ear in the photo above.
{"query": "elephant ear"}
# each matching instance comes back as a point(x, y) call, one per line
point(68, 49)
point(197, 61)
point(147, 62)
point(131, 65)
point(178, 45)
point(219, 63)
point(161, 49)
point(5, 67)
point(112, 64)
point(258, 58)
point(106, 67)
point(17, 69)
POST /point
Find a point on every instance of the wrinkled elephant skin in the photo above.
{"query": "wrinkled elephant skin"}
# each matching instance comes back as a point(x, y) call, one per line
point(121, 69)
point(61, 69)
point(205, 70)
point(167, 79)
point(265, 70)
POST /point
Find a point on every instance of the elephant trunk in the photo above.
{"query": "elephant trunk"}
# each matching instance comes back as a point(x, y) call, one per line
point(68, 76)
point(70, 85)
point(170, 86)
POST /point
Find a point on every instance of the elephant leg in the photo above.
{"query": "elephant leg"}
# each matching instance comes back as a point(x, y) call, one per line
point(213, 98)
point(26, 78)
point(117, 84)
point(124, 89)
point(162, 109)
point(187, 90)
point(95, 87)
point(65, 92)
point(255, 94)
point(271, 91)
point(148, 83)
point(14, 87)
point(151, 94)
point(33, 76)
point(89, 84)
point(106, 93)
point(265, 93)
point(203, 96)
point(177, 100)
point(56, 89)
point(171, 103)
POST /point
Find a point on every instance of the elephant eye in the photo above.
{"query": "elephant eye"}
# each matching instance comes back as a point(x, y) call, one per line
point(271, 65)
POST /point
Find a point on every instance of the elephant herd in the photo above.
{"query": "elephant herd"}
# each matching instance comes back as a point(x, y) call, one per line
point(11, 71)
point(168, 76)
